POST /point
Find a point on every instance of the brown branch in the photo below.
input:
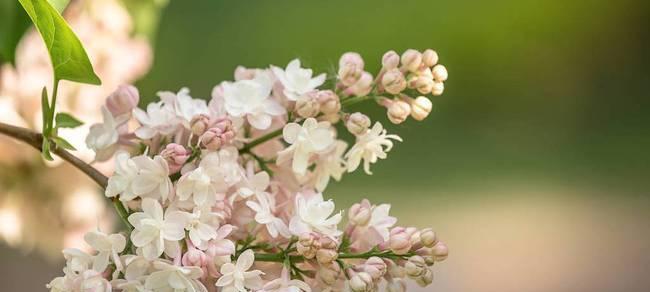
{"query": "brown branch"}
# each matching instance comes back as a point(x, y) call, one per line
point(36, 140)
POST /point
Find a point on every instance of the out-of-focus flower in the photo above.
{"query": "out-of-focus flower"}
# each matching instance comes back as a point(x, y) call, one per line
point(297, 81)
point(123, 100)
point(107, 246)
point(285, 284)
point(103, 137)
point(121, 182)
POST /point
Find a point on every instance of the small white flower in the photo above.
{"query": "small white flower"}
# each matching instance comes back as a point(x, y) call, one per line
point(129, 285)
point(120, 183)
point(376, 230)
point(285, 284)
point(184, 106)
point(153, 177)
point(76, 261)
point(102, 138)
point(204, 183)
point(251, 98)
point(254, 184)
point(158, 119)
point(236, 278)
point(370, 146)
point(174, 278)
point(313, 215)
point(264, 215)
point(305, 140)
point(107, 246)
point(297, 81)
point(201, 225)
point(330, 164)
point(154, 233)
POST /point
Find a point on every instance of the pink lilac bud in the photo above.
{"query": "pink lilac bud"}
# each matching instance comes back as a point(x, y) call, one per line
point(429, 58)
point(428, 237)
point(399, 241)
point(328, 251)
point(360, 213)
point(390, 60)
point(440, 251)
point(329, 273)
point(329, 102)
point(361, 282)
point(357, 123)
point(422, 84)
point(175, 155)
point(440, 72)
point(398, 110)
point(199, 124)
point(420, 108)
point(411, 60)
point(375, 267)
point(220, 134)
point(438, 88)
point(308, 244)
point(362, 87)
point(123, 100)
point(415, 267)
point(393, 81)
point(427, 254)
point(307, 106)
point(426, 279)
point(194, 257)
point(350, 68)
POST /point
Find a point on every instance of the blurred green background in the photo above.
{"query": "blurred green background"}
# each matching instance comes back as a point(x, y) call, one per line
point(534, 167)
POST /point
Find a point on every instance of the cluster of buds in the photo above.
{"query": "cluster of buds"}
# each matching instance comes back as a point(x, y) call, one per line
point(227, 184)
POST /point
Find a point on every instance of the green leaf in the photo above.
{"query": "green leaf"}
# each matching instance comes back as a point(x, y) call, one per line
point(46, 150)
point(13, 24)
point(60, 142)
point(68, 56)
point(45, 108)
point(64, 120)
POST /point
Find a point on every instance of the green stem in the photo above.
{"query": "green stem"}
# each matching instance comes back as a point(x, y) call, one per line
point(260, 140)
point(354, 100)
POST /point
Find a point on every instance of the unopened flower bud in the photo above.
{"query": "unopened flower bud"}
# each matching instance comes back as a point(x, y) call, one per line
point(398, 111)
point(175, 155)
point(399, 241)
point(440, 251)
point(360, 213)
point(199, 124)
point(307, 106)
point(375, 267)
point(422, 84)
point(361, 282)
point(123, 100)
point(350, 68)
point(390, 60)
point(429, 58)
point(326, 256)
point(411, 60)
point(329, 102)
point(425, 279)
point(420, 108)
point(329, 273)
point(439, 72)
point(357, 123)
point(428, 237)
point(393, 81)
point(415, 266)
point(362, 87)
point(194, 257)
point(220, 134)
point(308, 244)
point(438, 88)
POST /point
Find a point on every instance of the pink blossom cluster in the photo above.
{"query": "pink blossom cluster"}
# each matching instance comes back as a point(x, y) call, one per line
point(226, 194)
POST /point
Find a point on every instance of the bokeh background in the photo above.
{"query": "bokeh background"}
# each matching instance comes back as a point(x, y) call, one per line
point(534, 167)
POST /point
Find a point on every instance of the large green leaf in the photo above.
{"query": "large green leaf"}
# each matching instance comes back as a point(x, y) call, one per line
point(13, 24)
point(68, 56)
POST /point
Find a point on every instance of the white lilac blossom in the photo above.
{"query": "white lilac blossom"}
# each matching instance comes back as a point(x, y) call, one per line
point(297, 81)
point(313, 215)
point(237, 277)
point(251, 98)
point(370, 146)
point(305, 140)
point(217, 195)
point(102, 138)
point(154, 233)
